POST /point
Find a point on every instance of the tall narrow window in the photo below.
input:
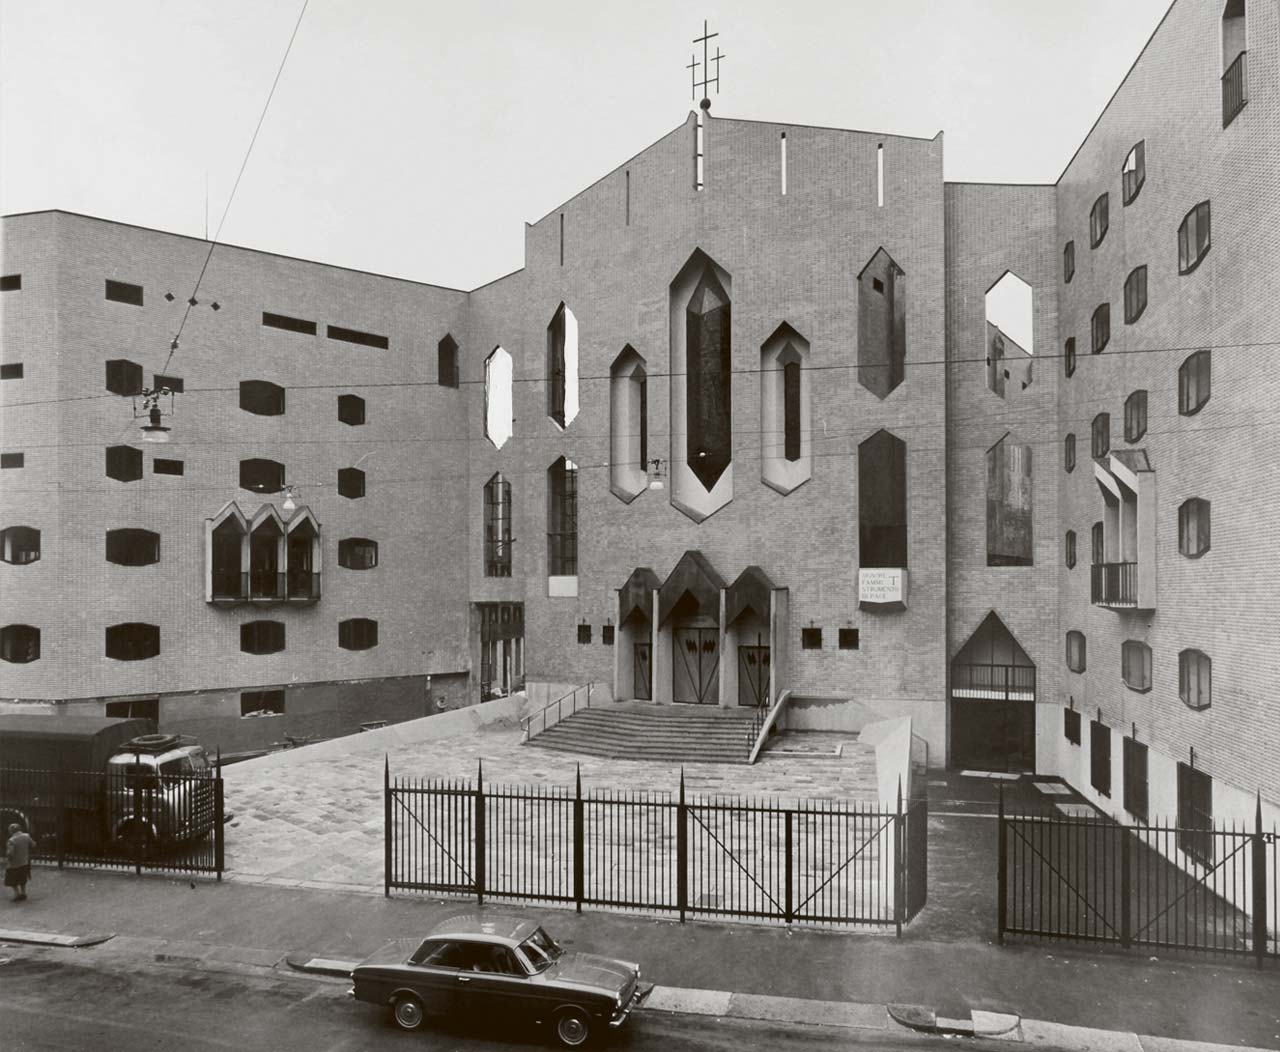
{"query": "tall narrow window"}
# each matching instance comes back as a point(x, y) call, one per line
point(227, 580)
point(882, 501)
point(1099, 221)
point(1100, 757)
point(447, 362)
point(499, 415)
point(1097, 544)
point(562, 519)
point(1101, 435)
point(880, 175)
point(1133, 173)
point(1135, 665)
point(1068, 262)
point(1193, 383)
point(1135, 778)
point(784, 163)
point(791, 411)
point(1100, 327)
point(497, 527)
point(1070, 549)
point(1009, 504)
point(1135, 416)
point(1235, 88)
point(266, 577)
point(1069, 357)
point(1069, 453)
point(1195, 679)
point(1193, 527)
point(1195, 813)
point(302, 555)
point(1135, 294)
point(1009, 335)
point(786, 458)
point(628, 425)
point(1075, 651)
point(882, 325)
point(1193, 238)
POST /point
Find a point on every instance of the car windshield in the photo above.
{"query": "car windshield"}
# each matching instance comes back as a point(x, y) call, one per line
point(540, 949)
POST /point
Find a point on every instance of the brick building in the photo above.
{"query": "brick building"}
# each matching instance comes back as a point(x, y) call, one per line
point(770, 428)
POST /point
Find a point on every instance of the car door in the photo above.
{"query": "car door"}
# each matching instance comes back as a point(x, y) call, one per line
point(496, 986)
point(433, 975)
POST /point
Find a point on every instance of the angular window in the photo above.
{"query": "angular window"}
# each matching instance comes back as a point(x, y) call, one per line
point(562, 367)
point(1100, 327)
point(1100, 433)
point(19, 644)
point(1069, 453)
point(168, 383)
point(262, 637)
point(847, 639)
point(1193, 383)
point(786, 457)
point(123, 292)
point(1235, 91)
point(1009, 335)
point(228, 578)
point(132, 641)
point(1133, 173)
point(1068, 262)
point(1098, 221)
point(262, 703)
point(1075, 651)
point(261, 476)
point(124, 377)
point(882, 325)
point(266, 559)
point(562, 519)
point(12, 460)
point(447, 362)
point(497, 527)
point(357, 553)
point(1135, 665)
point(160, 466)
point(1071, 726)
point(584, 634)
point(1193, 527)
point(363, 339)
point(628, 425)
point(350, 483)
point(134, 709)
point(19, 545)
point(499, 419)
point(1071, 549)
point(811, 638)
point(1009, 504)
point(124, 463)
point(882, 501)
point(261, 397)
point(1135, 778)
point(357, 633)
point(351, 410)
point(1195, 679)
point(11, 371)
point(10, 283)
point(1069, 357)
point(1195, 813)
point(1135, 294)
point(1097, 545)
point(133, 547)
point(1193, 238)
point(1100, 757)
point(606, 635)
point(1135, 416)
point(302, 555)
point(283, 321)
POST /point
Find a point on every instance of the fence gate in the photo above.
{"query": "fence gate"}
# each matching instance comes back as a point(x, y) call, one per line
point(434, 836)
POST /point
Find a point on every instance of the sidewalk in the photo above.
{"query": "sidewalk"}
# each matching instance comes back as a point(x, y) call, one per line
point(745, 967)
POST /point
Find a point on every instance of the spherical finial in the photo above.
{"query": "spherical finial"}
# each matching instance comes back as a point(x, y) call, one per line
point(706, 105)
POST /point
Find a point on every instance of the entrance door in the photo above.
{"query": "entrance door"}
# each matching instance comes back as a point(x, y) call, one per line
point(753, 675)
point(695, 664)
point(642, 686)
point(993, 735)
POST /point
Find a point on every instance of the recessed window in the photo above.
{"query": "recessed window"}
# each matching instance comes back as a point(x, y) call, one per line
point(124, 377)
point(11, 371)
point(133, 709)
point(562, 367)
point(1009, 335)
point(282, 321)
point(1071, 726)
point(262, 476)
point(1133, 173)
point(628, 425)
point(1100, 327)
point(19, 644)
point(1071, 549)
point(124, 463)
point(1009, 487)
point(19, 545)
point(364, 339)
point(262, 703)
point(447, 362)
point(1069, 453)
point(262, 637)
point(562, 519)
point(168, 383)
point(261, 397)
point(1193, 238)
point(167, 467)
point(882, 501)
point(584, 634)
point(811, 639)
point(1135, 294)
point(357, 553)
point(1135, 778)
point(12, 460)
point(1099, 220)
point(1075, 651)
point(1135, 665)
point(1097, 545)
point(131, 547)
point(123, 292)
point(132, 641)
point(351, 409)
point(1100, 757)
point(358, 633)
point(1068, 261)
point(848, 639)
point(10, 282)
point(1100, 433)
point(350, 483)
point(1195, 813)
point(499, 414)
point(882, 325)
point(1069, 357)
point(497, 527)
point(606, 635)
point(1193, 383)
point(1135, 416)
point(1193, 527)
point(1195, 679)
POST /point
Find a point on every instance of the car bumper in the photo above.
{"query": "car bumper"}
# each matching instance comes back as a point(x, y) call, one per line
point(642, 992)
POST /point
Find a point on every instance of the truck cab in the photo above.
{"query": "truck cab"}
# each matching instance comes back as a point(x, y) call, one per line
point(160, 792)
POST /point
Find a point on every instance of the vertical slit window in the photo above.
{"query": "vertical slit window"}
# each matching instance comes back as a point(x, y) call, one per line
point(1069, 453)
point(1134, 172)
point(1193, 527)
point(1193, 383)
point(1135, 294)
point(562, 519)
point(1099, 220)
point(1193, 238)
point(1100, 434)
point(447, 362)
point(497, 527)
point(1135, 416)
point(882, 501)
point(1068, 262)
point(1195, 679)
point(1100, 327)
point(1069, 357)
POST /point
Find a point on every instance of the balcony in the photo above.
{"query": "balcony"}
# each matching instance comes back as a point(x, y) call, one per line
point(304, 586)
point(1234, 89)
point(229, 587)
point(1114, 585)
point(1001, 682)
point(266, 586)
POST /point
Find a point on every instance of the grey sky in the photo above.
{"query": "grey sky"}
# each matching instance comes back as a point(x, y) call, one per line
point(417, 138)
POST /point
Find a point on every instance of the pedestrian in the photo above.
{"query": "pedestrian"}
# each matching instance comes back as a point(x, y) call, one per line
point(17, 861)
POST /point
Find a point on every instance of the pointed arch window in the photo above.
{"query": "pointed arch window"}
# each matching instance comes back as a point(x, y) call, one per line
point(447, 362)
point(628, 425)
point(562, 367)
point(227, 557)
point(302, 558)
point(266, 559)
point(708, 325)
point(499, 416)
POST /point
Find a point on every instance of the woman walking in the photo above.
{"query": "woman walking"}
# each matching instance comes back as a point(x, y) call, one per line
point(17, 859)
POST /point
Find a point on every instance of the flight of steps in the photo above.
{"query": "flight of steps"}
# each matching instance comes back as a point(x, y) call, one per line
point(667, 733)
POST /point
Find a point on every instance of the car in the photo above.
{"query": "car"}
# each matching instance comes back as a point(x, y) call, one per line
point(498, 966)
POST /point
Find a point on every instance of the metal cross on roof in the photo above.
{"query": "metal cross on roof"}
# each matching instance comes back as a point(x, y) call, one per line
point(707, 59)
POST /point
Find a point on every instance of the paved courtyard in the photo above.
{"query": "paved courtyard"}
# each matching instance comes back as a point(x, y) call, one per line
point(320, 822)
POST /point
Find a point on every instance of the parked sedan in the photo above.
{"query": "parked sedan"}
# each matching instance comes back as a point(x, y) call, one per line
point(500, 967)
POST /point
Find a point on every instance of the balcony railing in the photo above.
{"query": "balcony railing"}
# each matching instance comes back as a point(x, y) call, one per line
point(1114, 584)
point(1234, 89)
point(230, 586)
point(994, 681)
point(304, 586)
point(266, 584)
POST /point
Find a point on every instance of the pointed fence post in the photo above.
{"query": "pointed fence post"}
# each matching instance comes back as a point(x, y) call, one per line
point(480, 860)
point(1126, 884)
point(219, 828)
point(1259, 886)
point(682, 853)
point(387, 826)
point(790, 900)
point(899, 863)
point(579, 841)
point(1002, 876)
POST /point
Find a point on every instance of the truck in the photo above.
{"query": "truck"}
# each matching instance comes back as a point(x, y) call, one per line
point(85, 784)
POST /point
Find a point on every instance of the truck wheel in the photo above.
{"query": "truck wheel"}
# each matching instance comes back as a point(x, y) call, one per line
point(573, 1027)
point(407, 1012)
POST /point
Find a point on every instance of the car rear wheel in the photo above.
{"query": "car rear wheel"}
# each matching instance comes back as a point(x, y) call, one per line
point(573, 1027)
point(407, 1012)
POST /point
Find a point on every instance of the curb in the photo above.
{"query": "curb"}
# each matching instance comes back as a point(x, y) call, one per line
point(305, 962)
point(41, 938)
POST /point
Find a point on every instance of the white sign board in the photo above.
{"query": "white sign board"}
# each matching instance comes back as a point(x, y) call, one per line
point(882, 586)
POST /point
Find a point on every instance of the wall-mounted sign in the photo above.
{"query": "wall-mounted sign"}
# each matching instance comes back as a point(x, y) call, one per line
point(882, 588)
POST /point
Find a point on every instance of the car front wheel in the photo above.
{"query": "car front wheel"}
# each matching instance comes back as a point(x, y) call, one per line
point(573, 1027)
point(407, 1013)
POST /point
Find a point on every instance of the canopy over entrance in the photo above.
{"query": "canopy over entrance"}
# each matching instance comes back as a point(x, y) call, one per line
point(695, 578)
point(636, 595)
point(749, 594)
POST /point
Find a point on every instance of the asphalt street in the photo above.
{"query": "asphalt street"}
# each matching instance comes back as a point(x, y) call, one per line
point(53, 1000)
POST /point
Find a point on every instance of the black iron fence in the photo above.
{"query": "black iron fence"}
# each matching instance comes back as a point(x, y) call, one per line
point(1094, 880)
point(820, 862)
point(127, 818)
point(1114, 584)
point(1234, 94)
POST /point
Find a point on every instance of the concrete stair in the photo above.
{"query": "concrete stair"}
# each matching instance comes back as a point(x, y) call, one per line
point(667, 733)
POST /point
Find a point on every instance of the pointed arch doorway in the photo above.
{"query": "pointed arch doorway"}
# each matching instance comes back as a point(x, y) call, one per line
point(993, 702)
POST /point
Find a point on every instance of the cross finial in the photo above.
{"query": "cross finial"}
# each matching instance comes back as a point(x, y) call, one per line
point(707, 59)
